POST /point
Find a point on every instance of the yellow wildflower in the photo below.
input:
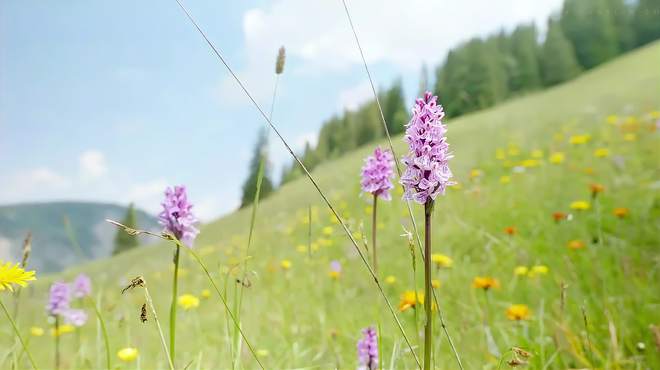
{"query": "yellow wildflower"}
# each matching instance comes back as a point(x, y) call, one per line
point(579, 139)
point(127, 354)
point(302, 248)
point(612, 119)
point(410, 299)
point(500, 154)
point(435, 283)
point(327, 230)
point(485, 283)
point(13, 274)
point(518, 312)
point(62, 329)
point(188, 301)
point(530, 163)
point(557, 158)
point(262, 353)
point(630, 137)
point(580, 205)
point(513, 150)
point(390, 280)
point(621, 212)
point(206, 294)
point(538, 270)
point(36, 331)
point(285, 264)
point(576, 244)
point(505, 179)
point(601, 153)
point(476, 173)
point(441, 260)
point(537, 153)
point(520, 270)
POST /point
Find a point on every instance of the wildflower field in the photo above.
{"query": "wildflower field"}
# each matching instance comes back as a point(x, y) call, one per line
point(544, 253)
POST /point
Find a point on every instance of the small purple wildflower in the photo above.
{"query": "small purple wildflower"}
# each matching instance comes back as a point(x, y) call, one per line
point(59, 298)
point(377, 172)
point(177, 217)
point(82, 286)
point(427, 171)
point(335, 266)
point(75, 317)
point(368, 349)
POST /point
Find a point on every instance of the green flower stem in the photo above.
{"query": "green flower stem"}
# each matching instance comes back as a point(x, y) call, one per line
point(374, 220)
point(18, 334)
point(57, 342)
point(175, 288)
point(428, 303)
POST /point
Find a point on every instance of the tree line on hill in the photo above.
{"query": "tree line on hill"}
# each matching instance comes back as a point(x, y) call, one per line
point(485, 71)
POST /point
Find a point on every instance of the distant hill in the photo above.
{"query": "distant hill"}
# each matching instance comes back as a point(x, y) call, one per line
point(52, 248)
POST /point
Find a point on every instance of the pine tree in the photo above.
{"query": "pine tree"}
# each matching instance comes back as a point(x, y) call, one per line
point(589, 26)
point(527, 75)
point(558, 60)
point(646, 21)
point(393, 104)
point(250, 185)
point(621, 15)
point(123, 240)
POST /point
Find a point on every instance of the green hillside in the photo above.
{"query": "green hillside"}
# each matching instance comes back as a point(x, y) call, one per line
point(301, 318)
point(53, 248)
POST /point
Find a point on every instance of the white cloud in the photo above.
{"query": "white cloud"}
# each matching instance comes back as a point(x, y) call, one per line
point(304, 138)
point(353, 97)
point(92, 164)
point(148, 195)
point(35, 184)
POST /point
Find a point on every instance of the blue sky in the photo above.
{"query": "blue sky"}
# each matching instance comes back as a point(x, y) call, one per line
point(113, 101)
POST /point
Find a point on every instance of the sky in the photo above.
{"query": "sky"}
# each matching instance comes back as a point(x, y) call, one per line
point(113, 101)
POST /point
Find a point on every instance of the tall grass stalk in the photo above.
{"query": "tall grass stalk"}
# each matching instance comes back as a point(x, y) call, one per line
point(150, 303)
point(311, 179)
point(104, 330)
point(71, 234)
point(374, 227)
point(57, 341)
point(398, 170)
point(18, 334)
point(175, 292)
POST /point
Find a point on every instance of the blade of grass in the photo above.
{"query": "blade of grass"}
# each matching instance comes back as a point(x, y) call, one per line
point(309, 176)
point(71, 234)
point(106, 342)
point(18, 334)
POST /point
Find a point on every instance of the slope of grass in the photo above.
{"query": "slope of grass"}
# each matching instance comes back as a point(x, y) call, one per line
point(299, 317)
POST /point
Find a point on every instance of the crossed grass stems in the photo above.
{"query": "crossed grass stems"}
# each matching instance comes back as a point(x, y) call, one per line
point(364, 259)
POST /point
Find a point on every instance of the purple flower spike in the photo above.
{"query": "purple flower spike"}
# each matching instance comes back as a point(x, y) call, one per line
point(427, 172)
point(82, 286)
point(177, 217)
point(59, 298)
point(75, 317)
point(368, 349)
point(377, 172)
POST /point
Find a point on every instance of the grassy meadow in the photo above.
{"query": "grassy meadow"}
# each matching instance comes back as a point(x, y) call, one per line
point(519, 166)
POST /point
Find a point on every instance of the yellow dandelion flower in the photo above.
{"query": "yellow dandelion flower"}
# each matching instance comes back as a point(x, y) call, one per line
point(580, 205)
point(655, 114)
point(441, 260)
point(538, 270)
point(327, 230)
point(500, 154)
point(530, 163)
point(518, 312)
point(11, 274)
point(410, 299)
point(128, 354)
point(334, 274)
point(435, 283)
point(485, 282)
point(537, 154)
point(206, 294)
point(601, 153)
point(62, 329)
point(36, 331)
point(579, 139)
point(557, 158)
point(476, 173)
point(612, 119)
point(188, 301)
point(285, 264)
point(505, 179)
point(520, 271)
point(390, 280)
point(262, 353)
point(630, 137)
